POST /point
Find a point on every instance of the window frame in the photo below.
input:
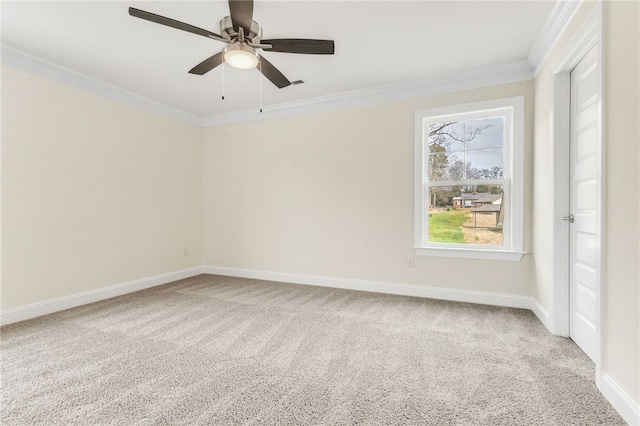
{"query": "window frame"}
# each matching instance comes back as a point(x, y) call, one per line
point(512, 109)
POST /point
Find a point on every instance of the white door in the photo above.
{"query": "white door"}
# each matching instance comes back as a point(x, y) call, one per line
point(584, 238)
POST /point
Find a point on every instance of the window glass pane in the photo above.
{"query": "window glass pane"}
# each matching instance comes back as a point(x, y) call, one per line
point(471, 149)
point(455, 167)
point(466, 215)
point(446, 136)
point(446, 166)
point(486, 164)
point(452, 136)
point(485, 133)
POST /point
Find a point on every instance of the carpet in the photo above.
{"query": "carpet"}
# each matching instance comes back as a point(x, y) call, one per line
point(214, 350)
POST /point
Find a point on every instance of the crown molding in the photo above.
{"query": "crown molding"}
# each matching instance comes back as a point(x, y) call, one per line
point(560, 17)
point(512, 72)
point(583, 40)
point(64, 75)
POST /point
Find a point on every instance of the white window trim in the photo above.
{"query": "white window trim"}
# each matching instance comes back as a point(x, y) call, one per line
point(513, 249)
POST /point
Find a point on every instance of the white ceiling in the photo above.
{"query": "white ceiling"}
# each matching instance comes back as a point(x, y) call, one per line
point(377, 43)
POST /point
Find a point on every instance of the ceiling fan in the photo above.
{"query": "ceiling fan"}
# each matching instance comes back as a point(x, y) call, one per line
point(243, 37)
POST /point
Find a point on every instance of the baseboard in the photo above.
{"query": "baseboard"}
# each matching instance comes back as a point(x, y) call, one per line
point(541, 313)
point(628, 410)
point(59, 304)
point(470, 296)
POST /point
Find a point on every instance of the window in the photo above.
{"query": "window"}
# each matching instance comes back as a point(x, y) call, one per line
point(468, 180)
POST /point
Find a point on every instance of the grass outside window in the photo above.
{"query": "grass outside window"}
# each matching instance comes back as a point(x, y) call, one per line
point(446, 226)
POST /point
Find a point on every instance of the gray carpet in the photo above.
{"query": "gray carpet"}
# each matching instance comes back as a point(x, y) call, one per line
point(214, 350)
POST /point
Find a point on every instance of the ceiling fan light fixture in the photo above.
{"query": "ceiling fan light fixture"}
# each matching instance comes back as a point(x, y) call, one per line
point(241, 56)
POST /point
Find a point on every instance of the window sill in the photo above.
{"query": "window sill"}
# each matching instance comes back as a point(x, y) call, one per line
point(464, 253)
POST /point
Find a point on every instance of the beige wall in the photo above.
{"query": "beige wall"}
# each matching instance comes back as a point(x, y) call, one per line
point(621, 280)
point(331, 194)
point(94, 193)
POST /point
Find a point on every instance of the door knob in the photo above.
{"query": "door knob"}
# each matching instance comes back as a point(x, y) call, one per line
point(571, 218)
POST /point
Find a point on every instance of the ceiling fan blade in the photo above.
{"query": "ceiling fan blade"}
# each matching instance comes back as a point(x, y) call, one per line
point(173, 23)
point(300, 45)
point(272, 73)
point(208, 64)
point(241, 14)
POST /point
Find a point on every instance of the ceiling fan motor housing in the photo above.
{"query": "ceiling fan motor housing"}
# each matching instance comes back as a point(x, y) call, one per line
point(227, 31)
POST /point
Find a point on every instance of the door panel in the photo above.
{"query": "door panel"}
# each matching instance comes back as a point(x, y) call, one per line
point(585, 299)
point(586, 195)
point(586, 136)
point(586, 250)
point(585, 276)
point(584, 238)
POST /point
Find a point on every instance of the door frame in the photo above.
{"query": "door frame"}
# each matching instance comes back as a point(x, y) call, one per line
point(588, 36)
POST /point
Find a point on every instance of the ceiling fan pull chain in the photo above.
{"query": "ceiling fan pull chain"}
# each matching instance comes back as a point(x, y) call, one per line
point(260, 79)
point(223, 79)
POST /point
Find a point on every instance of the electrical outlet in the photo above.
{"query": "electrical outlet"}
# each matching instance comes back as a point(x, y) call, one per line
point(185, 251)
point(410, 262)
